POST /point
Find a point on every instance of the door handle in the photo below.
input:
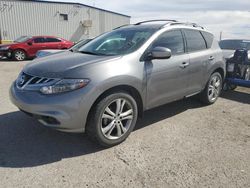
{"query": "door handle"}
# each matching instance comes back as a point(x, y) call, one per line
point(211, 58)
point(184, 65)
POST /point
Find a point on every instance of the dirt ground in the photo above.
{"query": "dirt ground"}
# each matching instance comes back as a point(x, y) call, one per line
point(183, 144)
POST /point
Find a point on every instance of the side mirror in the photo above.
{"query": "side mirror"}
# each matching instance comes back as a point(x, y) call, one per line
point(160, 53)
point(29, 43)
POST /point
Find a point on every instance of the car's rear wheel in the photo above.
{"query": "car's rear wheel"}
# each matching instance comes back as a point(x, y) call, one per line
point(19, 55)
point(213, 89)
point(112, 119)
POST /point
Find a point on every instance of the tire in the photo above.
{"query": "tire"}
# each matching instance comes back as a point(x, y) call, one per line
point(247, 74)
point(227, 86)
point(107, 125)
point(19, 55)
point(212, 90)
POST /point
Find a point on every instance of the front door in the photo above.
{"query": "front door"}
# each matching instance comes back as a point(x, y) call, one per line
point(37, 44)
point(167, 79)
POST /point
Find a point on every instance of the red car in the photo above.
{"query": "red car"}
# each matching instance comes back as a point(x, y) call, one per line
point(26, 46)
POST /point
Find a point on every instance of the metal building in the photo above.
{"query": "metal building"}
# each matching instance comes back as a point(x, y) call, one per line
point(72, 21)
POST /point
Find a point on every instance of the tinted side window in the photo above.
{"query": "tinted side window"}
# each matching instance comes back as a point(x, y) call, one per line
point(209, 38)
point(39, 40)
point(52, 40)
point(195, 40)
point(172, 40)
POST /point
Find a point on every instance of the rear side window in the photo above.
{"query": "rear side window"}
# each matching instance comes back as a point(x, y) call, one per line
point(195, 41)
point(209, 38)
point(172, 40)
point(52, 40)
point(39, 40)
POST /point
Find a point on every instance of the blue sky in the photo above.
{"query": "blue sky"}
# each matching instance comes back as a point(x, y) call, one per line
point(230, 17)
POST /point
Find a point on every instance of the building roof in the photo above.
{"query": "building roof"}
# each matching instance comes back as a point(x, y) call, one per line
point(75, 3)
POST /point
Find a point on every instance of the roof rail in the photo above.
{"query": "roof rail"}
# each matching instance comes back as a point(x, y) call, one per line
point(121, 26)
point(148, 21)
point(187, 24)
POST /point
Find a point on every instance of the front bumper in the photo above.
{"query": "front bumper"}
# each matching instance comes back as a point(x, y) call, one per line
point(5, 53)
point(65, 112)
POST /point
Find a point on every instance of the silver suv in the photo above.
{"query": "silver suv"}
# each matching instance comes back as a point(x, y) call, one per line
point(104, 86)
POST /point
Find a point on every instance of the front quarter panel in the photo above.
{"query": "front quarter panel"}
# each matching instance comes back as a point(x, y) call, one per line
point(103, 76)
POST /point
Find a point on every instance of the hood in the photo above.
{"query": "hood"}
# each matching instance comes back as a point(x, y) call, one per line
point(55, 66)
point(228, 53)
point(4, 45)
point(11, 45)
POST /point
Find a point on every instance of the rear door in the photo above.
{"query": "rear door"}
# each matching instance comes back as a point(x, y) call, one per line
point(53, 43)
point(167, 78)
point(200, 57)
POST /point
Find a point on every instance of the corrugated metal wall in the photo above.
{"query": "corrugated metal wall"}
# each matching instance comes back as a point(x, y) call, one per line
point(19, 18)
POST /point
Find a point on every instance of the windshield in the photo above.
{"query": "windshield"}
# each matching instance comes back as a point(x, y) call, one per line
point(80, 44)
point(22, 39)
point(118, 42)
point(235, 44)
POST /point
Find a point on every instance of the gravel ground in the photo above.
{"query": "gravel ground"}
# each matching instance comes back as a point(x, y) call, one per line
point(183, 144)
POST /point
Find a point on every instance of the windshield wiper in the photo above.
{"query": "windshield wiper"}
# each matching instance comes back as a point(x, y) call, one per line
point(86, 52)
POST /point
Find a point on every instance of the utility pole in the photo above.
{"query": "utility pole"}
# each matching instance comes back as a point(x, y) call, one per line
point(0, 36)
point(220, 35)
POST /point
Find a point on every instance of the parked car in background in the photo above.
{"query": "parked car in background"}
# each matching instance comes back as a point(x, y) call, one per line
point(27, 46)
point(229, 46)
point(237, 66)
point(107, 84)
point(43, 53)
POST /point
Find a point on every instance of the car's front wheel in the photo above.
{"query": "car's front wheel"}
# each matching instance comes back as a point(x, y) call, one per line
point(19, 55)
point(213, 89)
point(113, 119)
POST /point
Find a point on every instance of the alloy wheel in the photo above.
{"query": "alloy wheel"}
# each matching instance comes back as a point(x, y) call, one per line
point(214, 88)
point(117, 119)
point(19, 55)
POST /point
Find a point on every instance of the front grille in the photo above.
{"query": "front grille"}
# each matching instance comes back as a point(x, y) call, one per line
point(29, 80)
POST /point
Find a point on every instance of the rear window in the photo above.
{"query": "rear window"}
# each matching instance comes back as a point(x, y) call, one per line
point(195, 41)
point(209, 38)
point(52, 40)
point(235, 44)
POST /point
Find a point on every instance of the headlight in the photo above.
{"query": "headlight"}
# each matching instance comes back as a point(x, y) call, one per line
point(64, 85)
point(4, 48)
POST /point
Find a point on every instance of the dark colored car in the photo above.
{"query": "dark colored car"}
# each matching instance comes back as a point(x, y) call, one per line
point(27, 46)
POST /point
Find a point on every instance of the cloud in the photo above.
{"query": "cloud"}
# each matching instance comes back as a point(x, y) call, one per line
point(230, 17)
